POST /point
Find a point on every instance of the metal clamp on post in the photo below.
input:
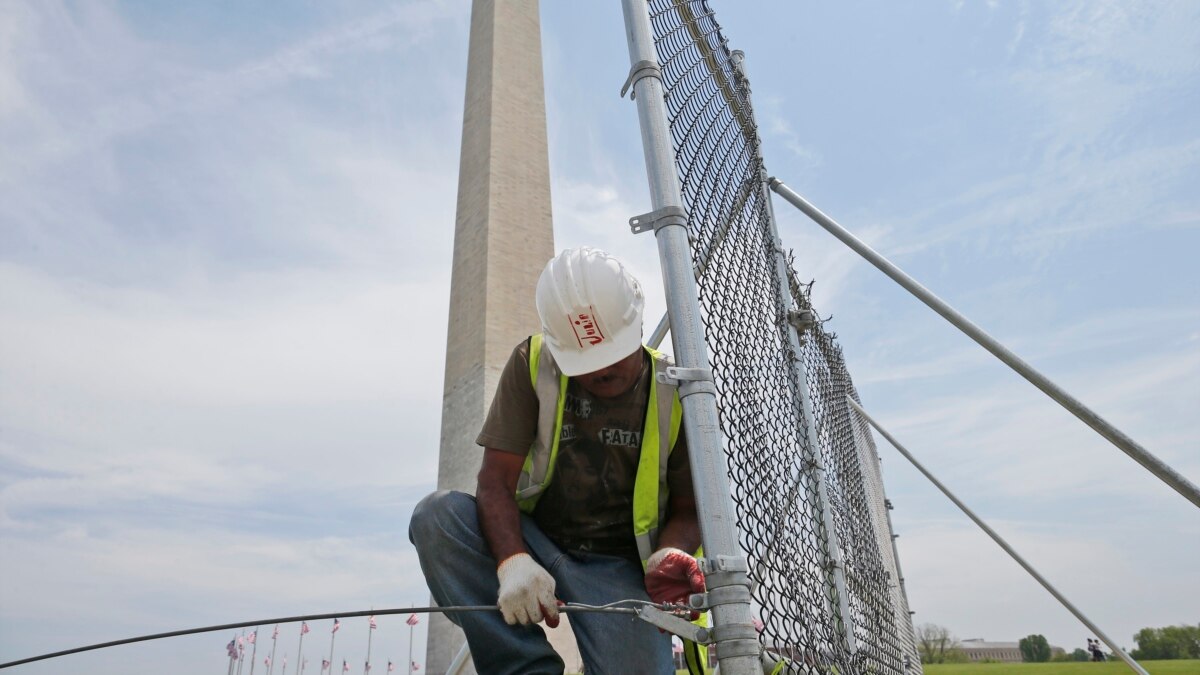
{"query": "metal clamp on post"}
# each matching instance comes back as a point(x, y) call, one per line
point(673, 624)
point(735, 593)
point(724, 563)
point(728, 580)
point(802, 319)
point(655, 220)
point(638, 71)
point(833, 565)
point(689, 381)
point(723, 633)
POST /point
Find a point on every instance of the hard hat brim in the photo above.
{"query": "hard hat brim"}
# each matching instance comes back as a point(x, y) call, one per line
point(573, 363)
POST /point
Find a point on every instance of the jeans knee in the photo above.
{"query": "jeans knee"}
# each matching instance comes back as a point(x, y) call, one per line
point(434, 515)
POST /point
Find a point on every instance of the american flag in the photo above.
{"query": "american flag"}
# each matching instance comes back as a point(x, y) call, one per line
point(391, 666)
point(415, 666)
point(276, 633)
point(303, 627)
point(371, 620)
point(367, 669)
point(324, 665)
point(253, 637)
point(231, 648)
point(345, 666)
point(267, 662)
point(336, 625)
point(412, 620)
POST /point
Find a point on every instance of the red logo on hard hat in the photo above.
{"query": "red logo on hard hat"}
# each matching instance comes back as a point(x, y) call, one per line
point(587, 329)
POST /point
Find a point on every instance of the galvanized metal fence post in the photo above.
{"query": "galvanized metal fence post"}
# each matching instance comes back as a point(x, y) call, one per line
point(835, 569)
point(737, 643)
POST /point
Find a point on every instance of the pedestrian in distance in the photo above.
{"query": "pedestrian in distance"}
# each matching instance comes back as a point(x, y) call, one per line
point(1094, 650)
point(585, 491)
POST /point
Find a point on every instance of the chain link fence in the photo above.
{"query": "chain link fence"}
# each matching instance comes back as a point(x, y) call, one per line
point(806, 481)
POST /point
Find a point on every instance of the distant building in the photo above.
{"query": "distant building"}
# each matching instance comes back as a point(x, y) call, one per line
point(978, 649)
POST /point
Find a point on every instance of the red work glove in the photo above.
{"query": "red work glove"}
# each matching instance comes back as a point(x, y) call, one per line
point(672, 575)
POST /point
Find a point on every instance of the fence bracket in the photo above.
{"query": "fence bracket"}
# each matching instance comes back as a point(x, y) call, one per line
point(689, 380)
point(656, 220)
point(638, 71)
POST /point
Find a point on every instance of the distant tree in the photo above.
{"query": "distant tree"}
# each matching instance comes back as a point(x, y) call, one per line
point(1034, 649)
point(937, 645)
point(955, 655)
point(1171, 642)
point(1070, 657)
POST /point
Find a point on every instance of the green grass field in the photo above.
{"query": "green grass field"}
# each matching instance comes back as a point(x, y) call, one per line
point(1181, 667)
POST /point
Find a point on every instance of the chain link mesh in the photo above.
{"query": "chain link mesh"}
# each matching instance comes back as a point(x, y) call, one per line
point(790, 489)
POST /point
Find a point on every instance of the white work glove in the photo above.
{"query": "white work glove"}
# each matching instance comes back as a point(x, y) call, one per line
point(526, 591)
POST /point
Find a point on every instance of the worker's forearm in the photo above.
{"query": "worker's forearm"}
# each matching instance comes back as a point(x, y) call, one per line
point(681, 531)
point(500, 520)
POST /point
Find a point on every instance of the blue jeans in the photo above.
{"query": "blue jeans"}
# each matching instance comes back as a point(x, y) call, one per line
point(460, 570)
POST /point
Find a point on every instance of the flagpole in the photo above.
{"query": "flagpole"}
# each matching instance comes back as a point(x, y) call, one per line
point(300, 649)
point(254, 652)
point(366, 668)
point(332, 637)
point(412, 622)
point(241, 651)
point(274, 643)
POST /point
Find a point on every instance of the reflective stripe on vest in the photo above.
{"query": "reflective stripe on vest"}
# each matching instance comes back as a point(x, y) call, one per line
point(663, 417)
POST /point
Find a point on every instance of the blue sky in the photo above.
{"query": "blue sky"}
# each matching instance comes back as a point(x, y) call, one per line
point(225, 237)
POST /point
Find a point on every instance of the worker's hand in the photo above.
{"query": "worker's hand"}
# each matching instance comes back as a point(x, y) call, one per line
point(672, 575)
point(526, 591)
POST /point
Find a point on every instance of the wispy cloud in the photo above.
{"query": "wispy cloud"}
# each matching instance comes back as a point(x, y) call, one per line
point(1010, 441)
point(1006, 603)
point(259, 174)
point(290, 342)
point(99, 104)
point(777, 129)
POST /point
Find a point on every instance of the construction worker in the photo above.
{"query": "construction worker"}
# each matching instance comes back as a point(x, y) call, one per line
point(585, 491)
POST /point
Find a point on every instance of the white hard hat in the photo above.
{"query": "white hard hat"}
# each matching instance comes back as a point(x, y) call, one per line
point(591, 310)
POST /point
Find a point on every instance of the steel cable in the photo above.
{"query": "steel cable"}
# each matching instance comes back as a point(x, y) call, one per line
point(618, 607)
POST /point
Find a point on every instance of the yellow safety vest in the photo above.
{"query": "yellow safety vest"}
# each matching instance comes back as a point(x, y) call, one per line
point(664, 415)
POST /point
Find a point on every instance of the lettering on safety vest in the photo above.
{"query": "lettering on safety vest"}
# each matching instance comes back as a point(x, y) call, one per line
point(587, 330)
point(627, 439)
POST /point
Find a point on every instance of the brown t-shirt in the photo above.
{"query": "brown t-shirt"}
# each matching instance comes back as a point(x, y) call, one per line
point(588, 505)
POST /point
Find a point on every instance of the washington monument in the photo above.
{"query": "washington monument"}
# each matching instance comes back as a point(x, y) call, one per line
point(502, 237)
